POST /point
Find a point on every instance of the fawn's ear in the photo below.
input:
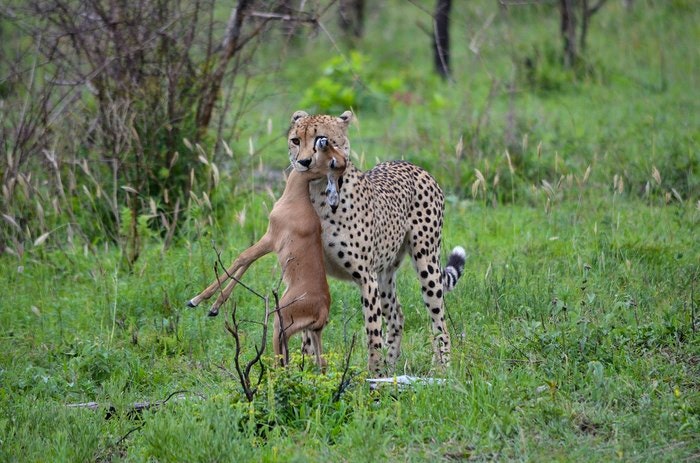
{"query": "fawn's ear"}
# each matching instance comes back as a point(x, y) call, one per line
point(345, 118)
point(298, 115)
point(332, 194)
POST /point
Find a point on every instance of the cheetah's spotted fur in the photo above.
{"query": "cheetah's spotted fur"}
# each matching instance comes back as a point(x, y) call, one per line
point(392, 210)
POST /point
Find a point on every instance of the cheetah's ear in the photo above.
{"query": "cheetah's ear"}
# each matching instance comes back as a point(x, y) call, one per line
point(345, 118)
point(298, 115)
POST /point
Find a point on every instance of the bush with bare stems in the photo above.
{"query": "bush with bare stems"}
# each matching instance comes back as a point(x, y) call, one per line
point(99, 104)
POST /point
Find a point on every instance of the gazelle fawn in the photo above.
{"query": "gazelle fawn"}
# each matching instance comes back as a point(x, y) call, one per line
point(294, 234)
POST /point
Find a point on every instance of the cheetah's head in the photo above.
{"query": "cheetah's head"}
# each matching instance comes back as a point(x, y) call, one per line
point(309, 135)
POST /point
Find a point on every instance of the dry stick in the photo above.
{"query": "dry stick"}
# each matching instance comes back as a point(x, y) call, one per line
point(278, 310)
point(244, 372)
point(275, 292)
point(343, 382)
point(244, 380)
point(228, 275)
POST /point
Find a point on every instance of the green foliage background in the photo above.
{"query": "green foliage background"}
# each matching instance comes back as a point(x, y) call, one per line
point(576, 194)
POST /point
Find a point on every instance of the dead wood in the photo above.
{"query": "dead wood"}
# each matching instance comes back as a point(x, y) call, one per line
point(134, 411)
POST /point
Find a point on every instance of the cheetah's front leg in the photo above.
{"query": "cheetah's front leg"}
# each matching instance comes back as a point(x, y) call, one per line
point(393, 316)
point(372, 312)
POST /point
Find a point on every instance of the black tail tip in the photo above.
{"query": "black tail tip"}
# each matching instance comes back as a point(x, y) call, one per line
point(457, 259)
point(454, 268)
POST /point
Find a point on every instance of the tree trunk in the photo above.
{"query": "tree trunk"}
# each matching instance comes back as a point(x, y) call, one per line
point(584, 26)
point(352, 17)
point(586, 13)
point(441, 38)
point(229, 47)
point(285, 8)
point(568, 31)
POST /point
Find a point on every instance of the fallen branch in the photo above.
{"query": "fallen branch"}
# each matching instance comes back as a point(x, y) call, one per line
point(134, 411)
point(283, 17)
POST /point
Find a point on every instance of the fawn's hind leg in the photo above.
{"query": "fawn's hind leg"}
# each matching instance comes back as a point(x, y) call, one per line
point(306, 348)
point(317, 346)
point(311, 345)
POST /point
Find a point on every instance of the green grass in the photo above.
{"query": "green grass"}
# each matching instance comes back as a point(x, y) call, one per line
point(573, 340)
point(574, 326)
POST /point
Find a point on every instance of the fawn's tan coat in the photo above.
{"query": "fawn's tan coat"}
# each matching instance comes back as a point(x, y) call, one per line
point(294, 234)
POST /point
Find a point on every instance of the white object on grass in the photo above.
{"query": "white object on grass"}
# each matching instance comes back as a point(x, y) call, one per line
point(403, 381)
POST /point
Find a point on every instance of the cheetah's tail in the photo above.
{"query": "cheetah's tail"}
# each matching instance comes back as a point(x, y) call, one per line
point(454, 268)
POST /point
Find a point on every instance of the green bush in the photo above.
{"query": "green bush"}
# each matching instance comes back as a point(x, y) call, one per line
point(350, 82)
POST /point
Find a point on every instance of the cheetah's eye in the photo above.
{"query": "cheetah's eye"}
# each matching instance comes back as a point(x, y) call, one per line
point(295, 140)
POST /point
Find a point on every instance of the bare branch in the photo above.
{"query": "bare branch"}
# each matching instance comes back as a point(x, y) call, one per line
point(243, 378)
point(244, 371)
point(594, 9)
point(283, 17)
point(232, 277)
point(344, 383)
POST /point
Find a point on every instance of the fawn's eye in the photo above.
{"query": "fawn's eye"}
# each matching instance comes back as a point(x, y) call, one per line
point(321, 142)
point(295, 140)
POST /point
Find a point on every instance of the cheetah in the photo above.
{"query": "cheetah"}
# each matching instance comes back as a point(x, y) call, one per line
point(392, 210)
